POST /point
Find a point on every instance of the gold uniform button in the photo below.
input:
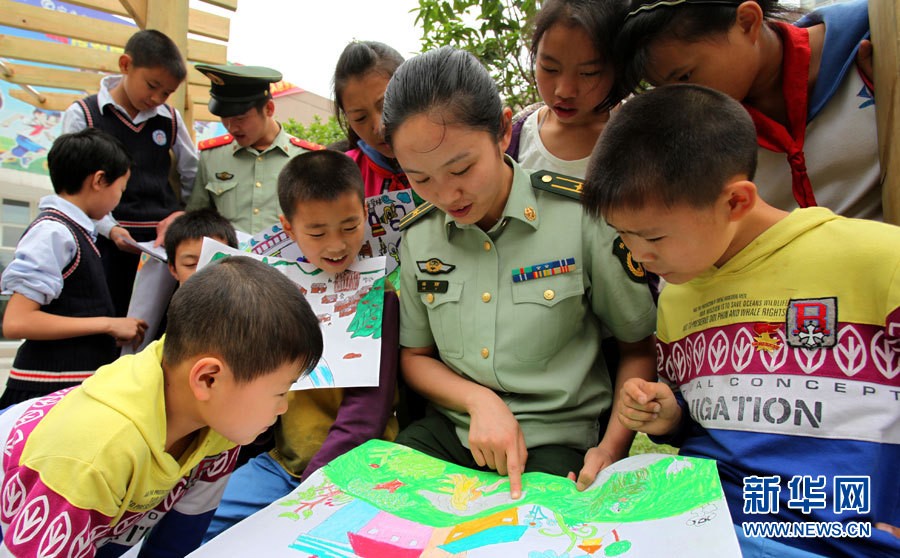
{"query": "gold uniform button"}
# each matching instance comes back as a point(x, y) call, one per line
point(256, 211)
point(259, 158)
point(547, 178)
point(485, 353)
point(549, 294)
point(429, 297)
point(486, 297)
point(487, 246)
point(259, 184)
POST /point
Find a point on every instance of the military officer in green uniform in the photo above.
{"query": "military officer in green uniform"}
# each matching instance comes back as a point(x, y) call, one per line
point(506, 282)
point(238, 172)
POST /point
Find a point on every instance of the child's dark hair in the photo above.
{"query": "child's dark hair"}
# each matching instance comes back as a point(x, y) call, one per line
point(358, 59)
point(676, 144)
point(689, 21)
point(74, 157)
point(195, 225)
point(317, 175)
point(152, 49)
point(449, 82)
point(599, 18)
point(246, 313)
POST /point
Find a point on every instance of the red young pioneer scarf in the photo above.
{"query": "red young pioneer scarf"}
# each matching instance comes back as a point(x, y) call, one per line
point(795, 82)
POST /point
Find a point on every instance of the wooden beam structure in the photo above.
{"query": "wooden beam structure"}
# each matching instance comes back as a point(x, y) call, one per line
point(80, 65)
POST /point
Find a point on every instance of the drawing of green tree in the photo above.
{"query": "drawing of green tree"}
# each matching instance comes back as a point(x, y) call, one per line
point(367, 319)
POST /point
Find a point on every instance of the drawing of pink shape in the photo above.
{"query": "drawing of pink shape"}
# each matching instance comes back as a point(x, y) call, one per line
point(349, 356)
point(389, 536)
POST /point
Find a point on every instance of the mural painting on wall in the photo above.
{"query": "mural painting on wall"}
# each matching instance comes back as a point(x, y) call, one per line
point(27, 132)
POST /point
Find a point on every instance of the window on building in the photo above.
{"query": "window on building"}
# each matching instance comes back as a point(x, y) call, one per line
point(15, 216)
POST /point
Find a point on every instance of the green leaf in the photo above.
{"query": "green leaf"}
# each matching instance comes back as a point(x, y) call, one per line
point(494, 31)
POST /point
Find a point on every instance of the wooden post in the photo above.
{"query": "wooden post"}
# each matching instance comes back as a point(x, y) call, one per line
point(171, 18)
point(884, 20)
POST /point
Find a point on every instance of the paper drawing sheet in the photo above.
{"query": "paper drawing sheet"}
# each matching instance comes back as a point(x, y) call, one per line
point(349, 307)
point(385, 500)
point(382, 238)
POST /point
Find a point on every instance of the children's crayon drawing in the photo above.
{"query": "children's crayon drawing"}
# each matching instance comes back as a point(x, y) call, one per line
point(385, 500)
point(349, 306)
point(382, 232)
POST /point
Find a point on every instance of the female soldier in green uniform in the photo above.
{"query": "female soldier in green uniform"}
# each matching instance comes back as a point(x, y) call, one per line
point(505, 284)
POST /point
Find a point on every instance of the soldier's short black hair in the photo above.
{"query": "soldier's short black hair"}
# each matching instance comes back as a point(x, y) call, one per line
point(246, 313)
point(677, 144)
point(317, 175)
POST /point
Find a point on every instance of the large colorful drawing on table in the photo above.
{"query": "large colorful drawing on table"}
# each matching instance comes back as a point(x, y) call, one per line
point(349, 306)
point(385, 500)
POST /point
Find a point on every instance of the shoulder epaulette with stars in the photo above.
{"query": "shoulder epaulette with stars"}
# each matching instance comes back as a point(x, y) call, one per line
point(307, 144)
point(561, 184)
point(218, 141)
point(415, 215)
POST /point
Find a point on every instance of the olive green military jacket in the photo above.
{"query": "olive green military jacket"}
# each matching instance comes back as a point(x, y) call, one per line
point(519, 308)
point(240, 182)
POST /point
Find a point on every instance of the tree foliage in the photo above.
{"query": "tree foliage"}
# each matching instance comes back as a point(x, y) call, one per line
point(498, 32)
point(320, 132)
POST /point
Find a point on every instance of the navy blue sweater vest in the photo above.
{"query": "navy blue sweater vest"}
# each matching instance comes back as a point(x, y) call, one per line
point(148, 197)
point(84, 294)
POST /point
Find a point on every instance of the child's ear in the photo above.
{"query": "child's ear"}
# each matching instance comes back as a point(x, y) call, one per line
point(750, 18)
point(286, 225)
point(205, 376)
point(125, 63)
point(171, 267)
point(98, 180)
point(741, 196)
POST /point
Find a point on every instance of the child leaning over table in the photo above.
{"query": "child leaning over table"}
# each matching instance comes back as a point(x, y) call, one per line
point(796, 384)
point(321, 196)
point(146, 444)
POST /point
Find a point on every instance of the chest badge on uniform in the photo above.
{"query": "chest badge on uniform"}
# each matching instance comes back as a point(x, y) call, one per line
point(633, 269)
point(159, 137)
point(812, 323)
point(537, 271)
point(428, 286)
point(224, 175)
point(434, 266)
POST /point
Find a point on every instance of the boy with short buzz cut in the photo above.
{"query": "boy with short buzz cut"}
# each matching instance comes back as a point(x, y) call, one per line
point(321, 195)
point(778, 332)
point(184, 240)
point(60, 303)
point(142, 450)
point(131, 106)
